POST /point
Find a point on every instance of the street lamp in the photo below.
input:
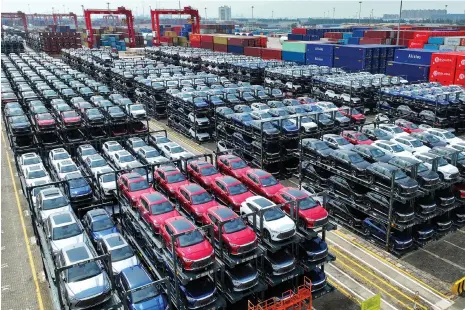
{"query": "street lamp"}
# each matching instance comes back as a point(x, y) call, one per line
point(334, 13)
point(252, 11)
point(359, 11)
point(206, 13)
point(398, 24)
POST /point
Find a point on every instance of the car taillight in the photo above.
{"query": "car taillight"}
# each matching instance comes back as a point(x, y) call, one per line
point(462, 194)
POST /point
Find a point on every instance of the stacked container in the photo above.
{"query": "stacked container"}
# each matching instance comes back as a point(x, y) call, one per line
point(448, 68)
point(53, 42)
point(412, 64)
point(294, 51)
point(320, 54)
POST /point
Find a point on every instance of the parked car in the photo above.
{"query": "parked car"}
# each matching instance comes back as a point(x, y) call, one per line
point(261, 182)
point(194, 200)
point(402, 212)
point(446, 171)
point(337, 142)
point(169, 179)
point(317, 149)
point(347, 189)
point(425, 177)
point(132, 186)
point(383, 173)
point(376, 134)
point(392, 148)
point(230, 191)
point(371, 153)
point(349, 161)
point(122, 254)
point(155, 209)
point(347, 214)
point(202, 172)
point(444, 135)
point(411, 144)
point(50, 200)
point(399, 241)
point(232, 165)
point(98, 223)
point(428, 139)
point(407, 126)
point(279, 263)
point(63, 229)
point(356, 137)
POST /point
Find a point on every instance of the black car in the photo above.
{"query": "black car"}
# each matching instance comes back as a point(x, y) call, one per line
point(94, 116)
point(448, 154)
point(224, 112)
point(322, 120)
point(318, 278)
point(425, 206)
point(422, 233)
point(458, 215)
point(86, 92)
point(314, 174)
point(382, 173)
point(428, 139)
point(313, 250)
point(316, 149)
point(347, 214)
point(13, 112)
point(371, 153)
point(341, 186)
point(241, 278)
point(115, 113)
point(279, 263)
point(444, 198)
point(402, 212)
point(442, 224)
point(425, 177)
point(348, 161)
point(19, 124)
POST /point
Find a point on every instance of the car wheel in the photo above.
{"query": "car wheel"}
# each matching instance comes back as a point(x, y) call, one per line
point(351, 222)
point(267, 235)
point(318, 158)
point(391, 247)
point(330, 212)
point(354, 173)
point(333, 163)
point(302, 225)
point(366, 230)
point(369, 205)
point(371, 179)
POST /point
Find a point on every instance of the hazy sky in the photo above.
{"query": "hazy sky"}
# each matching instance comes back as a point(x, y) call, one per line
point(239, 8)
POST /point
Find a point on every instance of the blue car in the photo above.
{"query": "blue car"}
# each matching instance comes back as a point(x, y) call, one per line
point(149, 297)
point(313, 250)
point(318, 278)
point(98, 223)
point(399, 241)
point(78, 187)
point(287, 127)
point(242, 119)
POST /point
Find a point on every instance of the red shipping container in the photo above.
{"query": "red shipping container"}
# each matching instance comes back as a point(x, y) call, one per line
point(194, 37)
point(271, 53)
point(442, 75)
point(444, 60)
point(207, 45)
point(333, 35)
point(299, 31)
point(241, 41)
point(206, 38)
point(195, 44)
point(460, 77)
point(461, 61)
point(253, 51)
point(372, 41)
point(220, 48)
point(414, 44)
point(377, 34)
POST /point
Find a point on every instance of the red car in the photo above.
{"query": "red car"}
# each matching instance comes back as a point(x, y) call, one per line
point(202, 172)
point(139, 127)
point(305, 100)
point(356, 137)
point(407, 126)
point(354, 115)
point(169, 179)
point(230, 191)
point(193, 250)
point(133, 185)
point(459, 191)
point(195, 200)
point(238, 238)
point(45, 120)
point(70, 118)
point(310, 211)
point(233, 166)
point(118, 131)
point(155, 209)
point(262, 183)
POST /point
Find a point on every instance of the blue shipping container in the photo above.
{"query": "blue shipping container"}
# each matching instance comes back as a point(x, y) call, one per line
point(353, 51)
point(358, 33)
point(324, 49)
point(235, 49)
point(436, 40)
point(412, 72)
point(433, 47)
point(347, 35)
point(352, 64)
point(293, 56)
point(413, 56)
point(319, 59)
point(295, 37)
point(354, 40)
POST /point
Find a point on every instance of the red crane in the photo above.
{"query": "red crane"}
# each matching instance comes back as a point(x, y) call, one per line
point(57, 17)
point(17, 15)
point(155, 15)
point(119, 11)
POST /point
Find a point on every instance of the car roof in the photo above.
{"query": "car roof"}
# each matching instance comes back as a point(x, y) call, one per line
point(228, 180)
point(114, 240)
point(386, 142)
point(260, 201)
point(407, 159)
point(50, 192)
point(180, 223)
point(223, 212)
point(135, 276)
point(429, 155)
point(154, 197)
point(295, 192)
point(76, 253)
point(97, 212)
point(62, 218)
point(386, 166)
point(193, 188)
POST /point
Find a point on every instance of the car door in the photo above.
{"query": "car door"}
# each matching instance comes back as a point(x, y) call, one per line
point(167, 238)
point(256, 185)
point(214, 222)
point(346, 164)
point(144, 209)
point(220, 191)
point(194, 171)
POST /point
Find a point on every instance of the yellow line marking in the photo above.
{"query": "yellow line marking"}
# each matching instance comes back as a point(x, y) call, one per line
point(347, 238)
point(353, 261)
point(23, 225)
point(343, 291)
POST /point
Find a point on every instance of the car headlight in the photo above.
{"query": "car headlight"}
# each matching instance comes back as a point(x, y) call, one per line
point(233, 245)
point(187, 260)
point(236, 283)
point(190, 299)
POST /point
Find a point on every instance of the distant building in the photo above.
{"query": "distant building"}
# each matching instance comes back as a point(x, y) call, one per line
point(224, 12)
point(421, 14)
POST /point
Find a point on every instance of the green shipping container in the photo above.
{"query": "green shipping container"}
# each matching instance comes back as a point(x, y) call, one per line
point(297, 47)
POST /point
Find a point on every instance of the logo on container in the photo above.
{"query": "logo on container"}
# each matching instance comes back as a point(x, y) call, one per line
point(440, 73)
point(462, 62)
point(318, 58)
point(414, 56)
point(318, 49)
point(462, 76)
point(438, 59)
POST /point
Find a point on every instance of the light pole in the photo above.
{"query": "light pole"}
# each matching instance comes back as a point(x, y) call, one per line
point(206, 13)
point(252, 11)
point(398, 24)
point(334, 14)
point(272, 15)
point(359, 11)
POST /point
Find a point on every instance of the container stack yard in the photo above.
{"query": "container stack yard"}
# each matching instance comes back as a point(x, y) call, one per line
point(184, 164)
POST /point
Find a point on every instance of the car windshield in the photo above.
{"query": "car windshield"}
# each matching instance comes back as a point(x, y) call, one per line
point(362, 137)
point(66, 231)
point(176, 149)
point(88, 152)
point(31, 161)
point(268, 181)
point(126, 158)
point(355, 112)
point(147, 293)
point(237, 189)
point(139, 185)
point(400, 175)
point(422, 168)
point(68, 168)
point(45, 116)
point(98, 163)
point(190, 238)
point(442, 162)
point(77, 183)
point(307, 203)
point(139, 143)
point(396, 129)
point(208, 171)
point(377, 153)
point(36, 174)
point(341, 141)
point(175, 178)
point(201, 198)
point(102, 224)
point(54, 203)
point(273, 214)
point(416, 143)
point(320, 146)
point(152, 153)
point(161, 208)
point(121, 253)
point(61, 156)
point(239, 164)
point(109, 177)
point(246, 118)
point(234, 225)
point(380, 132)
point(137, 107)
point(82, 272)
point(432, 139)
point(449, 135)
point(355, 158)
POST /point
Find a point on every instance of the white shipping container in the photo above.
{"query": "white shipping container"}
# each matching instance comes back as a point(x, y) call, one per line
point(447, 47)
point(460, 48)
point(452, 40)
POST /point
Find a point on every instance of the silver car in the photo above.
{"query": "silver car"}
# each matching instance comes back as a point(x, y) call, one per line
point(84, 285)
point(63, 229)
point(122, 255)
point(51, 200)
point(337, 142)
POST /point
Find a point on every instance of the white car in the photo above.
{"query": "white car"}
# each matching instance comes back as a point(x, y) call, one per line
point(444, 135)
point(150, 155)
point(458, 146)
point(306, 123)
point(392, 148)
point(411, 144)
point(394, 130)
point(122, 255)
point(124, 159)
point(110, 148)
point(330, 94)
point(337, 142)
point(198, 120)
point(63, 229)
point(350, 99)
point(29, 159)
point(327, 106)
point(86, 150)
point(136, 110)
point(36, 173)
point(51, 200)
point(446, 171)
point(106, 180)
point(200, 135)
point(135, 144)
point(66, 167)
point(95, 163)
point(57, 155)
point(259, 106)
point(174, 151)
point(276, 224)
point(35, 191)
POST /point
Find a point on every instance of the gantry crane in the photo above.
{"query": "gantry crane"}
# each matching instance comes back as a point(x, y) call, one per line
point(119, 11)
point(17, 15)
point(155, 16)
point(56, 17)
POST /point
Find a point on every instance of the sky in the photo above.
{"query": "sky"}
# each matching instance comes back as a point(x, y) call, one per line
point(239, 8)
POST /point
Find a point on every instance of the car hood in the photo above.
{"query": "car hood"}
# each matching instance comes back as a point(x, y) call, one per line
point(72, 119)
point(157, 303)
point(429, 175)
point(209, 179)
point(59, 244)
point(25, 124)
point(366, 142)
point(125, 263)
point(315, 213)
point(46, 121)
point(240, 198)
point(90, 287)
point(346, 147)
point(283, 224)
point(81, 190)
point(197, 251)
point(174, 186)
point(161, 218)
point(421, 149)
point(202, 208)
point(325, 152)
point(449, 169)
point(362, 165)
point(271, 190)
point(384, 158)
point(239, 173)
point(244, 236)
point(407, 182)
point(46, 213)
point(97, 235)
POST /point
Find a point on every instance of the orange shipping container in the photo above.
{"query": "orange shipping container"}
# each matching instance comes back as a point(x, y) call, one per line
point(194, 37)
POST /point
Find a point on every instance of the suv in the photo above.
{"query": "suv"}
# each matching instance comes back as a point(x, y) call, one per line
point(399, 241)
point(202, 172)
point(51, 200)
point(154, 209)
point(349, 161)
point(169, 179)
point(232, 165)
point(122, 255)
point(194, 200)
point(133, 185)
point(63, 229)
point(230, 191)
point(382, 173)
point(402, 213)
point(425, 177)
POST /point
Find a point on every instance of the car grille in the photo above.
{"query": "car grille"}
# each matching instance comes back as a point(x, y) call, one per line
point(203, 302)
point(318, 285)
point(454, 176)
point(425, 236)
point(447, 201)
point(203, 138)
point(404, 245)
point(444, 227)
point(81, 197)
point(247, 248)
point(409, 190)
point(246, 285)
point(282, 270)
point(203, 123)
point(286, 234)
point(406, 218)
point(52, 126)
point(93, 301)
point(321, 222)
point(316, 256)
point(201, 263)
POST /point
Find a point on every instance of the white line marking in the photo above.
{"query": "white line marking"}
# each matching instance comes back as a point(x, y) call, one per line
point(445, 260)
point(453, 244)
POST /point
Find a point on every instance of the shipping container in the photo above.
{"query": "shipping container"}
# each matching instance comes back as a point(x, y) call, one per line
point(352, 64)
point(296, 47)
point(253, 51)
point(460, 77)
point(413, 56)
point(319, 59)
point(220, 48)
point(295, 37)
point(353, 51)
point(220, 40)
point(412, 72)
point(299, 30)
point(452, 40)
point(324, 49)
point(294, 56)
point(236, 49)
point(271, 53)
